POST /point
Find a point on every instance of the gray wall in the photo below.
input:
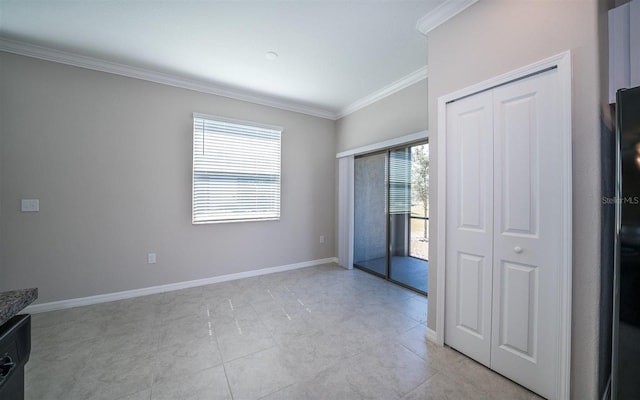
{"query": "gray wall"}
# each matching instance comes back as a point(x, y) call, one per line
point(402, 113)
point(109, 158)
point(493, 37)
point(608, 210)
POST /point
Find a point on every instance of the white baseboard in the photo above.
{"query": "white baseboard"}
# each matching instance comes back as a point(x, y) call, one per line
point(128, 294)
point(431, 335)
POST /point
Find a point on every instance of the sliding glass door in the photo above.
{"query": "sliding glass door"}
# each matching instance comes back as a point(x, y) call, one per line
point(408, 219)
point(391, 215)
point(370, 216)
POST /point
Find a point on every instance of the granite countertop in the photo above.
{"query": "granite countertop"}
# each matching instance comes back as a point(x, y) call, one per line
point(14, 301)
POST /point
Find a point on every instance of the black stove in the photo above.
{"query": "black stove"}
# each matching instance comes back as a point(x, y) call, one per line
point(15, 347)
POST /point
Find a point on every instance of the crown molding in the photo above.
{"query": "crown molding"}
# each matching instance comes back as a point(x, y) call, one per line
point(378, 95)
point(97, 64)
point(441, 14)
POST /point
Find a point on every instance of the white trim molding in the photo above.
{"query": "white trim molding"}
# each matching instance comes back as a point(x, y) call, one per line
point(402, 83)
point(128, 294)
point(432, 336)
point(387, 144)
point(345, 211)
point(97, 64)
point(442, 14)
point(563, 64)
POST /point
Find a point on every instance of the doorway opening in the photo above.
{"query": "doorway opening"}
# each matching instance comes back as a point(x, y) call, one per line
point(391, 215)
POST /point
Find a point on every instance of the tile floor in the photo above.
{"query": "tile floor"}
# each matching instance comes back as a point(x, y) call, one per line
point(410, 271)
point(314, 333)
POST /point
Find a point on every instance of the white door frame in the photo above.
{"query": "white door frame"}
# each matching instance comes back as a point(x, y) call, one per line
point(563, 64)
point(345, 211)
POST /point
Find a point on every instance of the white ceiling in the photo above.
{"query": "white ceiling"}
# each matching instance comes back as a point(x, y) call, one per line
point(331, 53)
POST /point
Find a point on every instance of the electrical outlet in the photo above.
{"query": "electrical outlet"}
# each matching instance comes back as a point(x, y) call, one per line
point(30, 205)
point(321, 238)
point(151, 258)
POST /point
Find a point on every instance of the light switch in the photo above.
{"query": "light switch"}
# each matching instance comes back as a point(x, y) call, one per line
point(30, 205)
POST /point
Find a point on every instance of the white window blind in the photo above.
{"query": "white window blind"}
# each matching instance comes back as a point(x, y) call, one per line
point(236, 170)
point(400, 181)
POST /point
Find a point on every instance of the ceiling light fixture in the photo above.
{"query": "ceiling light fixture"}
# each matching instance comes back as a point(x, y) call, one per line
point(271, 55)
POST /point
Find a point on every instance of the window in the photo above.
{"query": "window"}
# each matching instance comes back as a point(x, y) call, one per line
point(236, 170)
point(400, 181)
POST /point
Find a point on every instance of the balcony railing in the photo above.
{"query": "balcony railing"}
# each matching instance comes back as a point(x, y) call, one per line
point(419, 234)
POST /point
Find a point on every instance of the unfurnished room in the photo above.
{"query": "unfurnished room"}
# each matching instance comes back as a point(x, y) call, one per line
point(314, 199)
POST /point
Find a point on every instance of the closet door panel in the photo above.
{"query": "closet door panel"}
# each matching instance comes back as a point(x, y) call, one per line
point(469, 227)
point(527, 253)
point(518, 296)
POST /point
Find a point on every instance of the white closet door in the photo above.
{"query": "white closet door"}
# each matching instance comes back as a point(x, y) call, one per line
point(469, 226)
point(527, 236)
point(504, 243)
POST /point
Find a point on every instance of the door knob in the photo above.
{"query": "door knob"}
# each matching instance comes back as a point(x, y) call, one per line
point(517, 249)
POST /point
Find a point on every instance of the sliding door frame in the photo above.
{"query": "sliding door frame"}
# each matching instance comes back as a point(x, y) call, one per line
point(387, 185)
point(408, 228)
point(345, 190)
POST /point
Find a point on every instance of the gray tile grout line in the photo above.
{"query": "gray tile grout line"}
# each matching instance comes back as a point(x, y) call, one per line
point(348, 289)
point(224, 367)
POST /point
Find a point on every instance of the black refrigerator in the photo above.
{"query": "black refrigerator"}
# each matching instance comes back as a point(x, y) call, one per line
point(626, 302)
